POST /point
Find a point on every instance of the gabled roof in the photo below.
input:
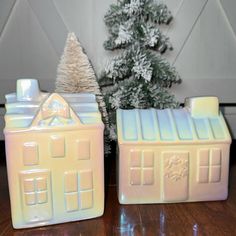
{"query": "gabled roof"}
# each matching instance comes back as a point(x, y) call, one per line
point(188, 124)
point(50, 110)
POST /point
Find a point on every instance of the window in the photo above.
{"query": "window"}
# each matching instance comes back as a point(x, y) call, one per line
point(36, 195)
point(30, 153)
point(209, 165)
point(78, 188)
point(141, 167)
point(57, 146)
point(35, 190)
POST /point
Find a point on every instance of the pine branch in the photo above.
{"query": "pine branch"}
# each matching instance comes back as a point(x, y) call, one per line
point(138, 77)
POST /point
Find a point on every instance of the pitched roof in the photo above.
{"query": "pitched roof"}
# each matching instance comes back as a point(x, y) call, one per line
point(55, 109)
point(171, 125)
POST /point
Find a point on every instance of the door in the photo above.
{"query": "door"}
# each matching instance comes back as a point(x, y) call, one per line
point(175, 166)
point(36, 196)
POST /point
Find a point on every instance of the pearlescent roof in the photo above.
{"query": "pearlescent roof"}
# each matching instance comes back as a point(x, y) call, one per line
point(23, 107)
point(169, 125)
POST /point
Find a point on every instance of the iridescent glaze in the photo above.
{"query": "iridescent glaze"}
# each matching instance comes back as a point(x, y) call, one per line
point(54, 150)
point(173, 155)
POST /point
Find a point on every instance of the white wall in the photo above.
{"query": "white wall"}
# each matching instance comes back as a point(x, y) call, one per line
point(33, 32)
point(205, 49)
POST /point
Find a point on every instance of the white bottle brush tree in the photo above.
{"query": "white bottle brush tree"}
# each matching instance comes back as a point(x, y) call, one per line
point(76, 75)
point(138, 76)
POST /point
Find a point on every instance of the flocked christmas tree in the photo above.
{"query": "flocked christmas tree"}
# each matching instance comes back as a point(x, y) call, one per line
point(76, 75)
point(138, 76)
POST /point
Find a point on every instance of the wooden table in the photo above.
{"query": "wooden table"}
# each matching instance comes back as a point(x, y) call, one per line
point(203, 218)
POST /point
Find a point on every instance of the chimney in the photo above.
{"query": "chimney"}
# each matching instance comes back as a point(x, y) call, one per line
point(202, 106)
point(27, 90)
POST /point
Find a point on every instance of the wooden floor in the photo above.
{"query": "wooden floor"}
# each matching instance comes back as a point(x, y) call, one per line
point(204, 218)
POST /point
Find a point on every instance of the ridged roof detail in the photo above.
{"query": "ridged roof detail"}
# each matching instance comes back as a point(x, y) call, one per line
point(169, 125)
point(24, 109)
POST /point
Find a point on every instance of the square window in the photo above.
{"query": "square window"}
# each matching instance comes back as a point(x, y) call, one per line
point(86, 180)
point(203, 175)
point(135, 176)
point(135, 158)
point(29, 185)
point(215, 157)
point(148, 159)
point(72, 202)
point(42, 197)
point(71, 181)
point(57, 146)
point(86, 200)
point(30, 198)
point(203, 157)
point(30, 154)
point(148, 176)
point(215, 174)
point(41, 184)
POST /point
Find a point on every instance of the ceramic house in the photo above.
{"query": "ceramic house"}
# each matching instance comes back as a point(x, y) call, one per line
point(54, 150)
point(173, 155)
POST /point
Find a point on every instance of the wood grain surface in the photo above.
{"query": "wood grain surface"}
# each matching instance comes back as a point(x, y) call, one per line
point(201, 218)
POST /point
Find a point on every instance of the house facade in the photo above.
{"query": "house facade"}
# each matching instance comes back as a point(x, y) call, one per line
point(54, 150)
point(173, 155)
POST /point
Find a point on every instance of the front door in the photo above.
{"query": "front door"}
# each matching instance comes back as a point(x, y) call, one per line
point(175, 166)
point(36, 196)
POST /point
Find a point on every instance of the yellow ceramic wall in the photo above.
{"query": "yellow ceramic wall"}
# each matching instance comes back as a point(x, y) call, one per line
point(50, 160)
point(173, 155)
point(144, 181)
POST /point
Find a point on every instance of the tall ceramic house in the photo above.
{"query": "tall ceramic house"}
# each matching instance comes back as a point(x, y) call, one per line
point(177, 155)
point(54, 149)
